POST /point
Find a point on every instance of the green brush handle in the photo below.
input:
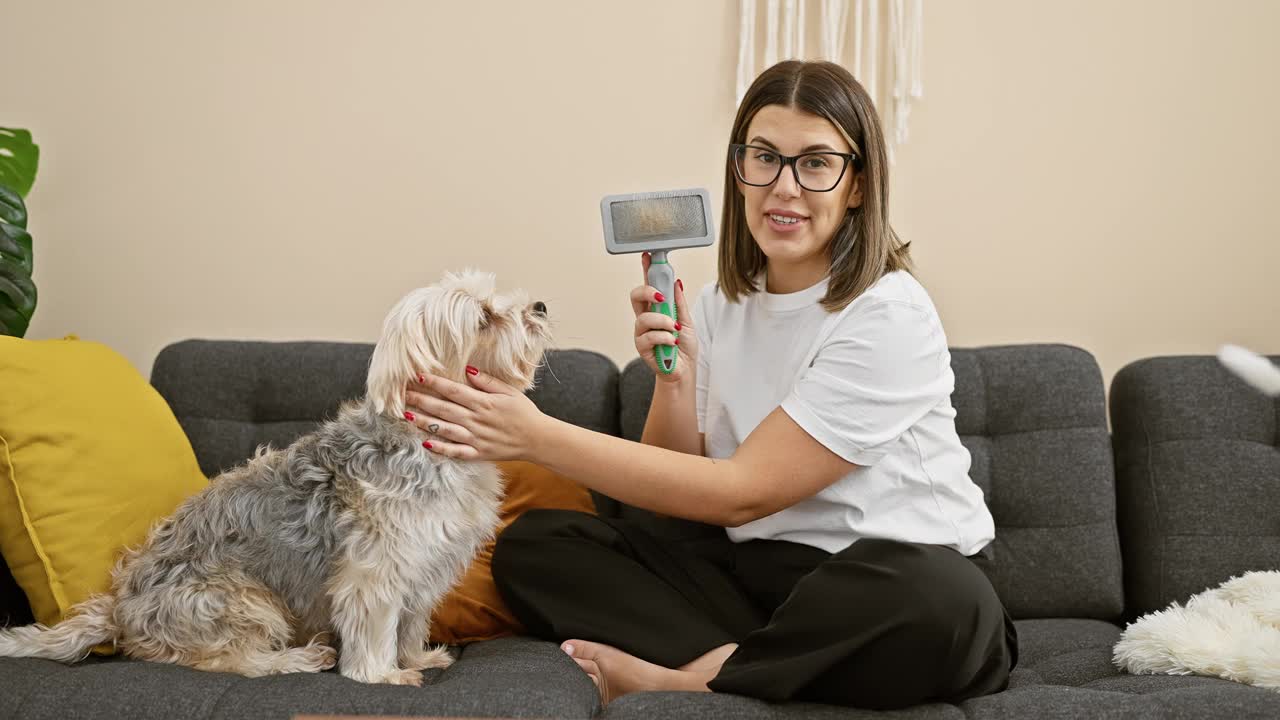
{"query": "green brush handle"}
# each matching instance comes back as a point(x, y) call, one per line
point(663, 279)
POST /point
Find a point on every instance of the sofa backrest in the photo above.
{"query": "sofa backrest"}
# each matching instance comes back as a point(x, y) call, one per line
point(1033, 418)
point(232, 396)
point(1198, 472)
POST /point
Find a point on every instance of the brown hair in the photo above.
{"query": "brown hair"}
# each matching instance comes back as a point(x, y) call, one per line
point(864, 247)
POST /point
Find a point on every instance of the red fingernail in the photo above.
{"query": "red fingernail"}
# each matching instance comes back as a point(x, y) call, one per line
point(677, 326)
point(680, 284)
point(472, 371)
point(421, 380)
point(677, 341)
point(426, 444)
point(658, 297)
point(408, 416)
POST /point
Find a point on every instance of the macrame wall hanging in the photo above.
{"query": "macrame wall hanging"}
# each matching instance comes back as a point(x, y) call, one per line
point(884, 52)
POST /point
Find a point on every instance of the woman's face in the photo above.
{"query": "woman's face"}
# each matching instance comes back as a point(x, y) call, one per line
point(816, 215)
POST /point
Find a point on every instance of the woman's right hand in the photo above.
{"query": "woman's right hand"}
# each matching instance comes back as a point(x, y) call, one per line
point(653, 328)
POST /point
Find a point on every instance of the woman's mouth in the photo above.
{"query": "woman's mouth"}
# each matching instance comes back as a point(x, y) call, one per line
point(785, 223)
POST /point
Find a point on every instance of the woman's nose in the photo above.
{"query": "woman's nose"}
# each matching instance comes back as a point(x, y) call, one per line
point(787, 184)
point(540, 308)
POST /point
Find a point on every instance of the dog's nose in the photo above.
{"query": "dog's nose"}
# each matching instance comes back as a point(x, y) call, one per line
point(540, 308)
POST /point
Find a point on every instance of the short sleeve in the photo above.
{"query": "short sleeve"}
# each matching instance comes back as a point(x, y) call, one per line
point(881, 370)
point(702, 330)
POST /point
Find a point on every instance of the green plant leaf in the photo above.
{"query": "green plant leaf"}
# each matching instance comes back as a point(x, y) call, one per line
point(15, 246)
point(17, 290)
point(12, 209)
point(19, 158)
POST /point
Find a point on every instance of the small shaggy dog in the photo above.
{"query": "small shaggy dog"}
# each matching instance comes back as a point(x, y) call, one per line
point(353, 533)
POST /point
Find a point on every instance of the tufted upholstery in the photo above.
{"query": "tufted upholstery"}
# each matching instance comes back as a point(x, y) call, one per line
point(231, 396)
point(1198, 474)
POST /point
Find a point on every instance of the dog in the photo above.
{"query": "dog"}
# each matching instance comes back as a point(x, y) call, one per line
point(350, 536)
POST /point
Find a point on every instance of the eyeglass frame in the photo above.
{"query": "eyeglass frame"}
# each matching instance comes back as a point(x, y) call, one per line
point(849, 158)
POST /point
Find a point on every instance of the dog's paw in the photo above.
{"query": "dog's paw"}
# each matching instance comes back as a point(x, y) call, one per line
point(308, 658)
point(407, 676)
point(326, 656)
point(435, 658)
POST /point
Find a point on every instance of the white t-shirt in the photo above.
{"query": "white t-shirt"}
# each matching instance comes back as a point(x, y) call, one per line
point(872, 383)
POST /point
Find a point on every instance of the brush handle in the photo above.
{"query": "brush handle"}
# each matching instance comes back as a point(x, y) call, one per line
point(662, 277)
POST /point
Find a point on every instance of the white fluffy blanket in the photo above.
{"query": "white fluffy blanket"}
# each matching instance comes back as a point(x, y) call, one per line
point(1231, 632)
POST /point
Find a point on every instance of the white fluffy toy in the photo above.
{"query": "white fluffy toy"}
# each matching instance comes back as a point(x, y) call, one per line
point(1252, 368)
point(1231, 632)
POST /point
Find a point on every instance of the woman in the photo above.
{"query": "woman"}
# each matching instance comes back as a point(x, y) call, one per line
point(809, 415)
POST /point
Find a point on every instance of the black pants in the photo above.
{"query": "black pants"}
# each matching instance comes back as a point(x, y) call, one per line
point(881, 625)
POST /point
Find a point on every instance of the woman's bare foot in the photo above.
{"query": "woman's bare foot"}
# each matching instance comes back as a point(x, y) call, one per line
point(616, 673)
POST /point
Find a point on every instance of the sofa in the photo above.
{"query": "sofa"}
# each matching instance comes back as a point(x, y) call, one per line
point(1095, 526)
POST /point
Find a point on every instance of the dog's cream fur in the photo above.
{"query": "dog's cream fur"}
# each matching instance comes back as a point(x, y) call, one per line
point(348, 537)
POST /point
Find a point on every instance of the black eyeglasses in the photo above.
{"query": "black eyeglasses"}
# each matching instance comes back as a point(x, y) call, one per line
point(814, 171)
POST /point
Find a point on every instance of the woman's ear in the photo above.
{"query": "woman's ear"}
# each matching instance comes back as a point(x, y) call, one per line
point(855, 194)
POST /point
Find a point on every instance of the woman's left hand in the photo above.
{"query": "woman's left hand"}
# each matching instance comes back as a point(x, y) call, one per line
point(489, 420)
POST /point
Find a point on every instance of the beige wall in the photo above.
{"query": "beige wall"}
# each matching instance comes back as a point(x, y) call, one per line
point(1099, 173)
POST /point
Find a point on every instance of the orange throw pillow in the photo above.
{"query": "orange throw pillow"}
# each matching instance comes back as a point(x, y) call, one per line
point(474, 610)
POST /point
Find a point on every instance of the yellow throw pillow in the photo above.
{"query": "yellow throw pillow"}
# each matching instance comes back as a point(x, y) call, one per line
point(474, 610)
point(90, 457)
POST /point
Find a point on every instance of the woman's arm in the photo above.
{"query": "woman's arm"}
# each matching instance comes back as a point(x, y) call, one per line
point(777, 465)
point(672, 422)
point(889, 362)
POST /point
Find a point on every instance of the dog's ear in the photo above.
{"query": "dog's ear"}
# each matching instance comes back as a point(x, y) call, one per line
point(430, 330)
point(389, 371)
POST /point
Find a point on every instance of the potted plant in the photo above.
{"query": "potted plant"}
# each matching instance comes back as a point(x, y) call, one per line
point(18, 159)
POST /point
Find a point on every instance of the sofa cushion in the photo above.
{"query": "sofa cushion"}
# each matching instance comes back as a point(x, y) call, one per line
point(474, 610)
point(1144, 698)
point(512, 677)
point(1064, 651)
point(1187, 701)
point(231, 396)
point(1034, 421)
point(1198, 474)
point(90, 458)
point(1064, 670)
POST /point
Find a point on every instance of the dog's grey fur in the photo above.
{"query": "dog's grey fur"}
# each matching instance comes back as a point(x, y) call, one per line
point(349, 536)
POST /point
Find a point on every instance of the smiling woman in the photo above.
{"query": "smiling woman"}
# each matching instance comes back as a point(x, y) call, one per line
point(838, 198)
point(816, 428)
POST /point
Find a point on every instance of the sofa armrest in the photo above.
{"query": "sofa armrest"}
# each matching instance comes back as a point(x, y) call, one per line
point(1196, 477)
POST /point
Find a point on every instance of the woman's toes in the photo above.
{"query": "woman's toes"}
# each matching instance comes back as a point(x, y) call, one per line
point(590, 668)
point(582, 649)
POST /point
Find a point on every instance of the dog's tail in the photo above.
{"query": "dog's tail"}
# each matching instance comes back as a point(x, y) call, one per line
point(89, 624)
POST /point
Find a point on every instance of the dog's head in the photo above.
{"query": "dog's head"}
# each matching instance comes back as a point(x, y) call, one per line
point(460, 321)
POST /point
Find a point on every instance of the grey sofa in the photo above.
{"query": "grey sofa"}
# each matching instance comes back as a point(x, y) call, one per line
point(1093, 529)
